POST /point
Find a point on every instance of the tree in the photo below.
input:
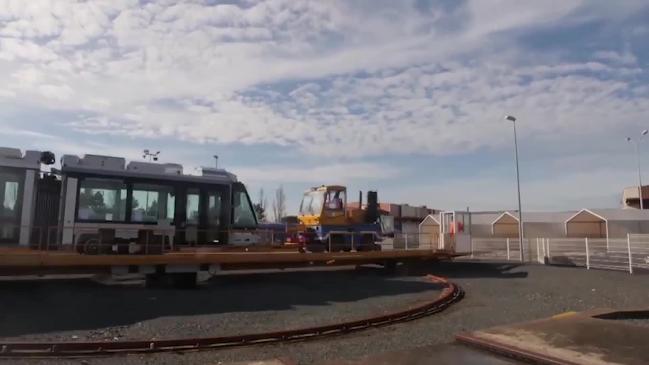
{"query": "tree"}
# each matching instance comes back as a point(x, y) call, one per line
point(279, 204)
point(93, 200)
point(260, 206)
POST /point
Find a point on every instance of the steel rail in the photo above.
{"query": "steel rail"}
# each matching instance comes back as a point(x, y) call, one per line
point(449, 295)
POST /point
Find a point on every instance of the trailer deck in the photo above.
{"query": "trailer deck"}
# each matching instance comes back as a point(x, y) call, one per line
point(25, 261)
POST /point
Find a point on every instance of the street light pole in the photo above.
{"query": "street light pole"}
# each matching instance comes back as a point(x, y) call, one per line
point(637, 155)
point(521, 232)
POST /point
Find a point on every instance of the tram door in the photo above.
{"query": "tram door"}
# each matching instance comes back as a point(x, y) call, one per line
point(192, 215)
point(200, 216)
point(215, 214)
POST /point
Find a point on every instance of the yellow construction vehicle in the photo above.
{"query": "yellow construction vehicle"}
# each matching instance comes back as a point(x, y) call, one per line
point(330, 225)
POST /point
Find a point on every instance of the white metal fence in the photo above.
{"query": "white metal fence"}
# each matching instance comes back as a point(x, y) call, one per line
point(496, 248)
point(411, 241)
point(624, 254)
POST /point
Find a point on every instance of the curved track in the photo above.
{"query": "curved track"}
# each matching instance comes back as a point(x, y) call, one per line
point(449, 295)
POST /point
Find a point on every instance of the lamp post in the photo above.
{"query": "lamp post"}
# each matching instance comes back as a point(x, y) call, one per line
point(521, 233)
point(637, 154)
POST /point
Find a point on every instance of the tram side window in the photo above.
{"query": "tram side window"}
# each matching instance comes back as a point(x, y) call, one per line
point(102, 200)
point(152, 203)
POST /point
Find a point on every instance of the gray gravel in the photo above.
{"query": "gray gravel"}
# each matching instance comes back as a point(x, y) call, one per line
point(224, 305)
point(496, 294)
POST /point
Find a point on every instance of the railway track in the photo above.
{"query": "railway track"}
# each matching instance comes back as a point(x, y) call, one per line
point(449, 295)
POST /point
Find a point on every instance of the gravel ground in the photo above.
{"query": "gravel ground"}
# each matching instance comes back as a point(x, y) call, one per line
point(224, 305)
point(495, 294)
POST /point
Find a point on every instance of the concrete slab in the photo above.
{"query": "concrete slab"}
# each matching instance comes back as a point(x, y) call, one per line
point(570, 338)
point(451, 354)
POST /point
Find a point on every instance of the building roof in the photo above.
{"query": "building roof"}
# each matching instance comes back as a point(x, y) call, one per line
point(620, 214)
point(528, 217)
point(430, 218)
point(505, 215)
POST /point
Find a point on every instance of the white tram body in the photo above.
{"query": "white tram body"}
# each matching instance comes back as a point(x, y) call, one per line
point(112, 206)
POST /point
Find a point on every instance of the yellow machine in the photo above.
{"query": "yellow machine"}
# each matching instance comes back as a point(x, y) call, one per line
point(324, 205)
point(330, 224)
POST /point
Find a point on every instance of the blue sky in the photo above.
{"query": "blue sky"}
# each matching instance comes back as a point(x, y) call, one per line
point(406, 97)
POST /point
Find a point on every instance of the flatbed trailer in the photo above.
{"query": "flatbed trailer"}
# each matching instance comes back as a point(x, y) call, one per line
point(24, 261)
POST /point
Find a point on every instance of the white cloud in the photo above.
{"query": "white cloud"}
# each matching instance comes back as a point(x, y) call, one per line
point(58, 92)
point(329, 78)
point(15, 49)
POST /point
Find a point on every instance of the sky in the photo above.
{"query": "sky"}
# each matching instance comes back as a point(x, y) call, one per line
point(404, 97)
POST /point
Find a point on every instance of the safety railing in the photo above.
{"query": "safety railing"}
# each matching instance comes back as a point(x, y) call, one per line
point(624, 254)
point(639, 249)
point(497, 248)
point(598, 253)
point(412, 241)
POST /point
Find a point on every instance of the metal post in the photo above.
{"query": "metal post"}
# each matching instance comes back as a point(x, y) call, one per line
point(352, 240)
point(508, 248)
point(329, 242)
point(548, 251)
point(406, 239)
point(628, 246)
point(637, 153)
point(471, 243)
point(587, 254)
point(521, 233)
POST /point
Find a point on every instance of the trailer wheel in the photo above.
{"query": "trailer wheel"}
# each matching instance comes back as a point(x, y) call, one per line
point(91, 247)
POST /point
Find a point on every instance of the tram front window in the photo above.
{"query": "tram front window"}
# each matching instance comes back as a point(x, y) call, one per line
point(243, 216)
